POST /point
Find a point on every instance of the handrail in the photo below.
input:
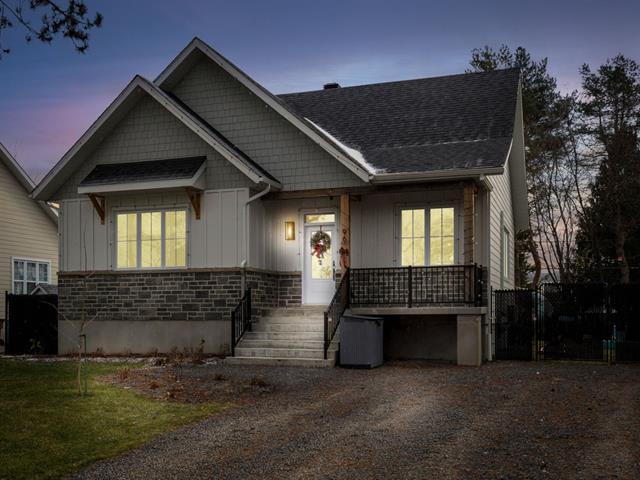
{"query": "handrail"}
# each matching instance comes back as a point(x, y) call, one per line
point(240, 319)
point(339, 303)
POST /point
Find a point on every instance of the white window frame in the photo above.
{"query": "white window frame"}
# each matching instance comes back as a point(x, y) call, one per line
point(505, 255)
point(139, 212)
point(25, 260)
point(457, 229)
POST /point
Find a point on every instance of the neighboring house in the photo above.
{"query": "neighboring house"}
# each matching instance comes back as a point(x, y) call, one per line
point(191, 185)
point(28, 234)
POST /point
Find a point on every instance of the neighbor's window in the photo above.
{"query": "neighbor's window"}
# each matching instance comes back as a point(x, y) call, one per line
point(412, 234)
point(441, 236)
point(28, 273)
point(152, 239)
point(505, 253)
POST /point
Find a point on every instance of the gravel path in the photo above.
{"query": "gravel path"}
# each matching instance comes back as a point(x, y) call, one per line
point(408, 420)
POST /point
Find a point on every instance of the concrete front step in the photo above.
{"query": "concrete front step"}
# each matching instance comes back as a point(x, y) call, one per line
point(289, 319)
point(287, 327)
point(271, 343)
point(307, 311)
point(281, 352)
point(253, 335)
point(281, 362)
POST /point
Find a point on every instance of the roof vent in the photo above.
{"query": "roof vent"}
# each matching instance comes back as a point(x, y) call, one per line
point(329, 86)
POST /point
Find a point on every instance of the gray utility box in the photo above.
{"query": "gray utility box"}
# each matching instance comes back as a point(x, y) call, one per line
point(361, 341)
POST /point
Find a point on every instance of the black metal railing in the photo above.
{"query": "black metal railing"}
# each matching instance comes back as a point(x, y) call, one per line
point(240, 319)
point(417, 286)
point(339, 303)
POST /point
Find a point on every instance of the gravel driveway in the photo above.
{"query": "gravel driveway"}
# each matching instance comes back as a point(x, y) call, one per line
point(406, 420)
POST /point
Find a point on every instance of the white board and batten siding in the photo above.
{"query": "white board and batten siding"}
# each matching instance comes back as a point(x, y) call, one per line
point(215, 240)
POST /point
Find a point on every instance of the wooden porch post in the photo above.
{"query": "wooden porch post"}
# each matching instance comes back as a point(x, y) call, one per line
point(469, 226)
point(345, 231)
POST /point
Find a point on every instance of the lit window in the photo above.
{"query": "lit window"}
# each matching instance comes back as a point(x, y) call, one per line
point(127, 244)
point(175, 246)
point(412, 237)
point(151, 239)
point(28, 273)
point(441, 236)
point(320, 218)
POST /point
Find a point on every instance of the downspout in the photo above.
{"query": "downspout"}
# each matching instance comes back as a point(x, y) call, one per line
point(243, 264)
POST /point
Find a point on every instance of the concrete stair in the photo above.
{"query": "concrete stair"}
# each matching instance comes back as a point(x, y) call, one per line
point(286, 336)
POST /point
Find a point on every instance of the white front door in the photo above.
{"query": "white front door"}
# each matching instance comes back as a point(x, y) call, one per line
point(318, 282)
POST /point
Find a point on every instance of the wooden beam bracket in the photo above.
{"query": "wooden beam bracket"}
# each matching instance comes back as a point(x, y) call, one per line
point(195, 197)
point(98, 203)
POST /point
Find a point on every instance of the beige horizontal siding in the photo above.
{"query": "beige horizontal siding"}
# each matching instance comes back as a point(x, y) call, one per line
point(26, 231)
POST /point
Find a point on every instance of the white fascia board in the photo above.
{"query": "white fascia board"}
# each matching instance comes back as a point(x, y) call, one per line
point(268, 98)
point(459, 174)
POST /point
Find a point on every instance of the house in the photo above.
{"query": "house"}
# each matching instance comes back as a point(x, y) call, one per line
point(399, 199)
point(28, 237)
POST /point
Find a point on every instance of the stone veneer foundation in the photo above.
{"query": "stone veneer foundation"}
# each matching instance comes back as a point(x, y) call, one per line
point(133, 309)
point(173, 295)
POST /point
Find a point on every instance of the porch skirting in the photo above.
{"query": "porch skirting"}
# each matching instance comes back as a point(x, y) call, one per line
point(147, 312)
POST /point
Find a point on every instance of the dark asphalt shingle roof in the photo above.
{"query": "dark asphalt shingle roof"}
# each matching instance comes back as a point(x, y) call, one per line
point(453, 122)
point(172, 169)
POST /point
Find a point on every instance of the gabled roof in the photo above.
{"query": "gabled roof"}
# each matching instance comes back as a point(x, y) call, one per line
point(456, 122)
point(25, 180)
point(184, 60)
point(118, 108)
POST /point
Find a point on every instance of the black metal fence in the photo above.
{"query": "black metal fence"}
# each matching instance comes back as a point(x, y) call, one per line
point(596, 322)
point(31, 324)
point(417, 286)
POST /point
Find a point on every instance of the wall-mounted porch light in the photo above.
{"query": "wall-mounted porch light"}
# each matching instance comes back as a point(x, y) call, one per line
point(289, 230)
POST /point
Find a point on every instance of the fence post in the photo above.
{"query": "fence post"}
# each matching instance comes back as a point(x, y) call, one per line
point(410, 286)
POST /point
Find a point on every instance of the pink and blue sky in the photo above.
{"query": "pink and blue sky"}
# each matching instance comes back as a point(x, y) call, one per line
point(49, 94)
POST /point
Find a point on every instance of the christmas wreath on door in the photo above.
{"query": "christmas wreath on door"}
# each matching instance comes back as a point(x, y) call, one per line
point(320, 243)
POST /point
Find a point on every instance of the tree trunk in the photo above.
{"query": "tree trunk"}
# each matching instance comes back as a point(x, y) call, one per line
point(537, 264)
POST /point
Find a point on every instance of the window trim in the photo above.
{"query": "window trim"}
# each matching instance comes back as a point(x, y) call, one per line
point(505, 263)
point(138, 211)
point(457, 229)
point(37, 261)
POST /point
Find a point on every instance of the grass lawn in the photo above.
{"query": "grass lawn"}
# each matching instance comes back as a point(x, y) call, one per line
point(47, 430)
